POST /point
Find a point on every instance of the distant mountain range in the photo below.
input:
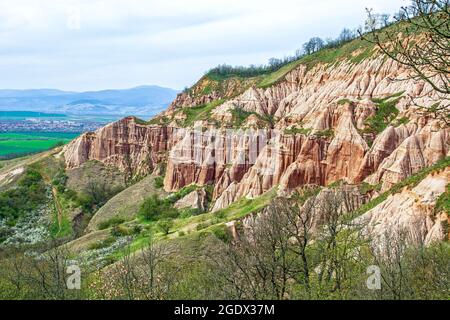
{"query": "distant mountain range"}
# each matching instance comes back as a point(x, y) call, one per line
point(143, 100)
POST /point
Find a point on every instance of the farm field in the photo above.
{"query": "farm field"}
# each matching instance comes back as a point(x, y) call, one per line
point(14, 144)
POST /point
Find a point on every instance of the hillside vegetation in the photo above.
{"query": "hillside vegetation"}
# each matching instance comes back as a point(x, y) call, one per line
point(213, 229)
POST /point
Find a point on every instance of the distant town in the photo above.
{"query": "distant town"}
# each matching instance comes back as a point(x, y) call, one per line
point(52, 123)
point(34, 125)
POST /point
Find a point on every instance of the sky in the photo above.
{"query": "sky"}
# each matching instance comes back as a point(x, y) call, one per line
point(85, 45)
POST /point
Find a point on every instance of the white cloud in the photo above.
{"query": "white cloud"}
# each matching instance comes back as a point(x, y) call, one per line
point(121, 43)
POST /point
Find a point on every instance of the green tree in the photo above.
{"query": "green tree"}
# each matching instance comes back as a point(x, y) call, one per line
point(164, 225)
point(154, 208)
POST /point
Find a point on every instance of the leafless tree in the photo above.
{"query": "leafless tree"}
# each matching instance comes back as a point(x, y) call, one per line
point(160, 276)
point(259, 264)
point(147, 274)
point(346, 35)
point(411, 270)
point(291, 244)
point(340, 241)
point(42, 275)
point(429, 271)
point(421, 41)
point(389, 255)
point(300, 223)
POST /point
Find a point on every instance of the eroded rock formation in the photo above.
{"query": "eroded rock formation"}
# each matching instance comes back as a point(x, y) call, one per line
point(127, 144)
point(410, 214)
point(318, 135)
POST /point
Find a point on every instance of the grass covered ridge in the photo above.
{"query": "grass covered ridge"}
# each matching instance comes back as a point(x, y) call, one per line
point(195, 225)
point(354, 51)
point(410, 182)
point(202, 112)
point(386, 113)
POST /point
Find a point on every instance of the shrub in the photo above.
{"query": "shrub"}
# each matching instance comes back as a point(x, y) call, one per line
point(154, 208)
point(220, 214)
point(201, 112)
point(96, 195)
point(365, 188)
point(443, 202)
point(114, 221)
point(328, 133)
point(222, 233)
point(401, 121)
point(29, 194)
point(164, 226)
point(59, 180)
point(181, 193)
point(385, 114)
point(336, 184)
point(137, 229)
point(202, 226)
point(344, 101)
point(120, 231)
point(307, 192)
point(239, 116)
point(102, 244)
point(189, 212)
point(159, 182)
point(71, 194)
point(295, 131)
point(185, 214)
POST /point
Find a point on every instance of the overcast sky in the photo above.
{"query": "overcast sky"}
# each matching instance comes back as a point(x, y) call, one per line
point(94, 44)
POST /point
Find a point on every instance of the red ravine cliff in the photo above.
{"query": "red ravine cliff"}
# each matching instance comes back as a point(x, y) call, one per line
point(319, 135)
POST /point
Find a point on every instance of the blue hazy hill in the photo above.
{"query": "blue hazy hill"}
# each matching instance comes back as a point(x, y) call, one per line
point(138, 100)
